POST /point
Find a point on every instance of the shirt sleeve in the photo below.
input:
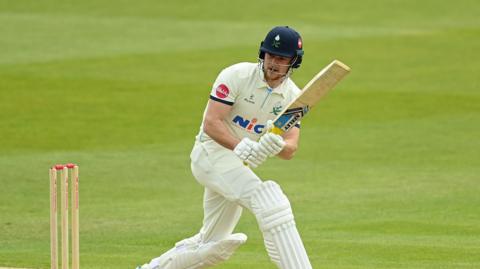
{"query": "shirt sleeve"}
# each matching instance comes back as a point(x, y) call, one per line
point(224, 88)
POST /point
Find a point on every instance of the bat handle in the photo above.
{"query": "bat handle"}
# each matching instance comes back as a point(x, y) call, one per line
point(276, 130)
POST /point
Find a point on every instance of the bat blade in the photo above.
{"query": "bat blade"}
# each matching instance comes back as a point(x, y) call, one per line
point(311, 94)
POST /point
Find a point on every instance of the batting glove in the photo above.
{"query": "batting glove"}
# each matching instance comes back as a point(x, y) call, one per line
point(257, 156)
point(271, 143)
point(250, 152)
point(244, 148)
point(269, 126)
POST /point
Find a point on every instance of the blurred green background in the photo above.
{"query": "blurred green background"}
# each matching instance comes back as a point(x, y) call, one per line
point(388, 170)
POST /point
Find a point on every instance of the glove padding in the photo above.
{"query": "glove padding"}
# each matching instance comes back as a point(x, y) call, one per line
point(271, 143)
point(250, 152)
point(257, 156)
point(244, 148)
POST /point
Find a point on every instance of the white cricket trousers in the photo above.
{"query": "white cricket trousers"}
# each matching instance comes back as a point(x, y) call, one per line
point(228, 187)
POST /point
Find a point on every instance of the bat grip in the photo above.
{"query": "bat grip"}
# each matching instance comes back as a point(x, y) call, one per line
point(276, 130)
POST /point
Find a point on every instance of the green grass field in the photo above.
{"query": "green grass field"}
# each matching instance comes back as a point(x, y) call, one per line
point(388, 170)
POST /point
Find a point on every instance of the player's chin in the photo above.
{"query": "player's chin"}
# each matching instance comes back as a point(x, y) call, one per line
point(278, 76)
point(273, 75)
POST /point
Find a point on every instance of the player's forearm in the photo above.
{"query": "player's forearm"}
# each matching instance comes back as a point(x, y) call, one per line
point(219, 132)
point(288, 151)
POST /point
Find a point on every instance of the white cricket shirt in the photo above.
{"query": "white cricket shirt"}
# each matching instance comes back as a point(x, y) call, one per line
point(253, 102)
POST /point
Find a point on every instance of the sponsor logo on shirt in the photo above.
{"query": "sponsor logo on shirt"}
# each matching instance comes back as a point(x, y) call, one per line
point(249, 125)
point(250, 99)
point(222, 91)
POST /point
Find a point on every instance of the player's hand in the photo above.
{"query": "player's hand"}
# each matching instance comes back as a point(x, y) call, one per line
point(257, 156)
point(271, 143)
point(269, 126)
point(244, 149)
point(250, 152)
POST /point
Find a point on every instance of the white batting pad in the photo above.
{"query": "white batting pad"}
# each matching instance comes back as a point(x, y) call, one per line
point(192, 254)
point(274, 215)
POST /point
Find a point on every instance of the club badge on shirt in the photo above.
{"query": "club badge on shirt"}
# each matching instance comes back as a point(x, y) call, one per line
point(222, 91)
point(277, 108)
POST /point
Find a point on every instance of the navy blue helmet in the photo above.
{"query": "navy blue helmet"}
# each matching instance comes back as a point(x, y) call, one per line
point(283, 41)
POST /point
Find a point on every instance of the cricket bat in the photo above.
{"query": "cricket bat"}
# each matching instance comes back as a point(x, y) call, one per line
point(311, 94)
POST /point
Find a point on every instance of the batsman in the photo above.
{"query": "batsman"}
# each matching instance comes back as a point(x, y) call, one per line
point(234, 138)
